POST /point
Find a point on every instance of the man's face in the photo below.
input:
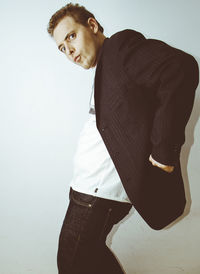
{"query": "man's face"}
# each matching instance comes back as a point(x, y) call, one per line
point(77, 42)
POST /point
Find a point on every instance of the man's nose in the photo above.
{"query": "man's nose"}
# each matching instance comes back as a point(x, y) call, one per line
point(70, 51)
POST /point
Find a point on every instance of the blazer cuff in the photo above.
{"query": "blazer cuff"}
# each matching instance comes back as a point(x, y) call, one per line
point(166, 154)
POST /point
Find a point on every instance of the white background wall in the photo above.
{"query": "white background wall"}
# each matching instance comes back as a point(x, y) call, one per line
point(43, 105)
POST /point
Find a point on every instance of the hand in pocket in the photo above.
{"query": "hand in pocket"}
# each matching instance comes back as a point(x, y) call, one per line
point(166, 168)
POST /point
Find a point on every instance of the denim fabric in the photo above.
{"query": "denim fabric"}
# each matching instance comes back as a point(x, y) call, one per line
point(82, 248)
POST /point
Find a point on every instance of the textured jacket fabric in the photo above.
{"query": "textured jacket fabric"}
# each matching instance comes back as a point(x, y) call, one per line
point(144, 94)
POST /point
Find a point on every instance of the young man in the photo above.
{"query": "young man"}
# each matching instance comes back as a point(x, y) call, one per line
point(128, 152)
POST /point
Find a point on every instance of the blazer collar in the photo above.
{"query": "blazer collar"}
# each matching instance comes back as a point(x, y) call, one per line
point(101, 50)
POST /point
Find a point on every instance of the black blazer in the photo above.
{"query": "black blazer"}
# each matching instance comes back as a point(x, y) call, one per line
point(144, 94)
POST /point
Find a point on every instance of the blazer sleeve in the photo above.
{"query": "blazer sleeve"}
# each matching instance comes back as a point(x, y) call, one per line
point(172, 76)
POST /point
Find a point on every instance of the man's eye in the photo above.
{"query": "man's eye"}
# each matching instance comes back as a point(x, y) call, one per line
point(63, 49)
point(71, 36)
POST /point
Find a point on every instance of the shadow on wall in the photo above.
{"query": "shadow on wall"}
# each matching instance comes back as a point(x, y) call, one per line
point(185, 152)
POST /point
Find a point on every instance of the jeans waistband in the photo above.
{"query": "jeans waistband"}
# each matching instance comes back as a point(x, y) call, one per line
point(91, 200)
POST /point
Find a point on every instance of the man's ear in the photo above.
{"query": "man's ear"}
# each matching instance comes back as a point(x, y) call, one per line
point(93, 24)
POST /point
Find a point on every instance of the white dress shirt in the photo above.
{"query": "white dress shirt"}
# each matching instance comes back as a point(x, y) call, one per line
point(94, 171)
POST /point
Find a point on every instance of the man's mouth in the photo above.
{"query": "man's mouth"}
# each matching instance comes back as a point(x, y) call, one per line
point(76, 59)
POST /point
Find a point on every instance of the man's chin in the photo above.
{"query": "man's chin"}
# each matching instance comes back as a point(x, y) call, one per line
point(86, 66)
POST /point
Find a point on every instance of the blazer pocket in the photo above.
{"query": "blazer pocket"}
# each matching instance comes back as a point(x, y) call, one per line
point(162, 170)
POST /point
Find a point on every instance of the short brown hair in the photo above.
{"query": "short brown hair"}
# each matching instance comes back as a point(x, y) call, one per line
point(79, 13)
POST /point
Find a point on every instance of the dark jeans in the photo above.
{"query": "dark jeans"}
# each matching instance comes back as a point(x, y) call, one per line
point(82, 248)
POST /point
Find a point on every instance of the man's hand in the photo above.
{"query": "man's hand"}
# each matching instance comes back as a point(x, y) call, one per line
point(164, 167)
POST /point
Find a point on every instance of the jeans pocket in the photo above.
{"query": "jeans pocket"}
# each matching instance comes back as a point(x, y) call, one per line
point(105, 228)
point(82, 199)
